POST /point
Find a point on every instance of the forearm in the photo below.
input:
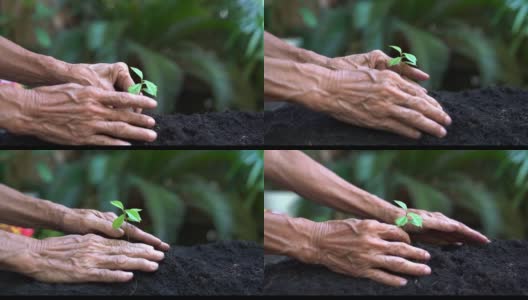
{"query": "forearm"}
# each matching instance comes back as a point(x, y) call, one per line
point(315, 182)
point(22, 210)
point(29, 68)
point(277, 48)
point(14, 250)
point(287, 236)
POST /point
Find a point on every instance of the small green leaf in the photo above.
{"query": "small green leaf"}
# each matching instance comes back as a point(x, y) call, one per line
point(118, 221)
point(135, 89)
point(410, 63)
point(397, 49)
point(416, 220)
point(117, 204)
point(133, 215)
point(411, 58)
point(395, 61)
point(401, 221)
point(401, 204)
point(151, 89)
point(138, 72)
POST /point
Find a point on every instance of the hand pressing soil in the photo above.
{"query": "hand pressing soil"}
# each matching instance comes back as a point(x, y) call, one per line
point(498, 268)
point(484, 117)
point(224, 268)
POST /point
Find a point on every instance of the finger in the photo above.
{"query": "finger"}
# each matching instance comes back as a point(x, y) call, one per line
point(125, 131)
point(413, 73)
point(386, 278)
point(401, 265)
point(402, 129)
point(124, 80)
point(427, 109)
point(102, 275)
point(125, 263)
point(418, 121)
point(141, 236)
point(413, 86)
point(105, 227)
point(137, 250)
point(126, 100)
point(132, 118)
point(101, 140)
point(467, 234)
point(393, 233)
point(406, 251)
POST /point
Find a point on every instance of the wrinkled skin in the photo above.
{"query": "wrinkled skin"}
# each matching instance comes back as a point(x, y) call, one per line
point(88, 258)
point(72, 114)
point(366, 248)
point(83, 221)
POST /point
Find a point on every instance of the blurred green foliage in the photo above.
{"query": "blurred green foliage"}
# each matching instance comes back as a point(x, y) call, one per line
point(203, 55)
point(486, 189)
point(461, 43)
point(187, 196)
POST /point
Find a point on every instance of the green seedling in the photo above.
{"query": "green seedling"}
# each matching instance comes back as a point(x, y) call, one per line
point(128, 215)
point(413, 218)
point(405, 58)
point(145, 85)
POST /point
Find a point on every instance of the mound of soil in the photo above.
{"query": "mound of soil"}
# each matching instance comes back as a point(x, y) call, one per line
point(484, 117)
point(212, 129)
point(224, 268)
point(498, 268)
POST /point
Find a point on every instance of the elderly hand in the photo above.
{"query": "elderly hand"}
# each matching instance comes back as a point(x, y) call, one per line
point(83, 221)
point(379, 100)
point(364, 248)
point(88, 258)
point(78, 115)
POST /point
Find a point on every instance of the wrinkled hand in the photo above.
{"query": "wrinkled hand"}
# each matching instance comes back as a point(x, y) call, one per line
point(88, 258)
point(77, 115)
point(380, 100)
point(441, 230)
point(378, 60)
point(83, 221)
point(365, 248)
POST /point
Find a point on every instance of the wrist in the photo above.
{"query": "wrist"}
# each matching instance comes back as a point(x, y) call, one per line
point(19, 253)
point(13, 113)
point(308, 235)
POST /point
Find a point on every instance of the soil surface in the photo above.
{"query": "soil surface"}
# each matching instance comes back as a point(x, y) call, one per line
point(483, 117)
point(500, 268)
point(212, 129)
point(224, 268)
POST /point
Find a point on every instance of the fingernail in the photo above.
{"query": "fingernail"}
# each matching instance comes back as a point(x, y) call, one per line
point(427, 270)
point(443, 132)
point(427, 255)
point(448, 120)
point(153, 103)
point(403, 282)
point(151, 122)
point(153, 266)
point(153, 135)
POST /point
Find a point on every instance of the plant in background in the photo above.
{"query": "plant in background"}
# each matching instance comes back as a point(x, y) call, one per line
point(145, 85)
point(405, 58)
point(413, 218)
point(127, 215)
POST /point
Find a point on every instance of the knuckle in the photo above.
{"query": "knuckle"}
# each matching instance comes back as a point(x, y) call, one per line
point(121, 260)
point(121, 66)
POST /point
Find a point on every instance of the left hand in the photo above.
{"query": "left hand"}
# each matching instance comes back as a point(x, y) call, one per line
point(85, 221)
point(378, 60)
point(441, 230)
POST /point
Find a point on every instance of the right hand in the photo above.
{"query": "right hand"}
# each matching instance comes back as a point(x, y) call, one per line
point(380, 100)
point(72, 114)
point(88, 258)
point(365, 248)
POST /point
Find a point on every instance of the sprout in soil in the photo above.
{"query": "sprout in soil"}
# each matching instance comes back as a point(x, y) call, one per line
point(406, 58)
point(415, 219)
point(145, 85)
point(128, 215)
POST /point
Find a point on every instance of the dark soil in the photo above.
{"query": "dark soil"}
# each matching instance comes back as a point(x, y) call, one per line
point(211, 129)
point(483, 117)
point(225, 268)
point(498, 269)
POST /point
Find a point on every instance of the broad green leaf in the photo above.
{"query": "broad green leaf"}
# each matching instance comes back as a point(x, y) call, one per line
point(395, 61)
point(308, 17)
point(43, 37)
point(118, 221)
point(44, 172)
point(151, 88)
point(410, 63)
point(117, 204)
point(401, 204)
point(138, 72)
point(416, 220)
point(135, 89)
point(411, 58)
point(397, 49)
point(401, 221)
point(133, 215)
